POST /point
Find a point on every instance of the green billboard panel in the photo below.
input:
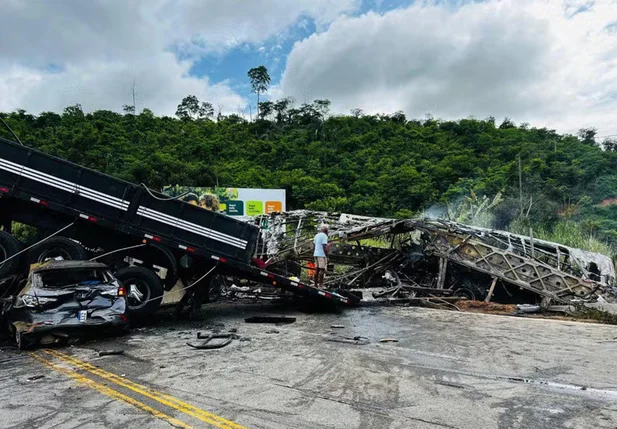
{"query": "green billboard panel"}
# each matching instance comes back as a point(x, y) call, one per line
point(234, 208)
point(254, 208)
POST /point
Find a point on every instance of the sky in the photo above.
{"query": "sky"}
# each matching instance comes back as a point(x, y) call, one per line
point(550, 63)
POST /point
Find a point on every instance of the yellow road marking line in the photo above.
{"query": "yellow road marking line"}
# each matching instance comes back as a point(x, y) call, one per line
point(110, 392)
point(164, 399)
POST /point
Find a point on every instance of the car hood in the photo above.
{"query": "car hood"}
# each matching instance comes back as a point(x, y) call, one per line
point(69, 291)
point(70, 298)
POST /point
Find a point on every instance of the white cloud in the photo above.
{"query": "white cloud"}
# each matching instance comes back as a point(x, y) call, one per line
point(108, 85)
point(547, 62)
point(212, 25)
point(54, 54)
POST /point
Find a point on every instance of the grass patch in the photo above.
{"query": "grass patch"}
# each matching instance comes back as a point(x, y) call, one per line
point(596, 315)
point(568, 233)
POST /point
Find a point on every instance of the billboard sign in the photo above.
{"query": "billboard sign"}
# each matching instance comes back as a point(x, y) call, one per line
point(232, 201)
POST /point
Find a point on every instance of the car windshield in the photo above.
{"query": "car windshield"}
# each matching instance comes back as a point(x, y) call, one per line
point(73, 277)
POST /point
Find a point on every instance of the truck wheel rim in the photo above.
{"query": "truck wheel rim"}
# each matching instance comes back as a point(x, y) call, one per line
point(138, 293)
point(54, 253)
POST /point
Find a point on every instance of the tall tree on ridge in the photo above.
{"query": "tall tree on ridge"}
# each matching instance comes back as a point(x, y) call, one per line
point(260, 80)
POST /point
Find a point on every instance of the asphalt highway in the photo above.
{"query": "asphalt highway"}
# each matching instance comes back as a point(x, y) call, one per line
point(445, 370)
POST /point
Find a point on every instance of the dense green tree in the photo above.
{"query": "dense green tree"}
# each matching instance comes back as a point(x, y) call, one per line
point(281, 107)
point(383, 164)
point(265, 109)
point(588, 136)
point(356, 113)
point(191, 108)
point(610, 144)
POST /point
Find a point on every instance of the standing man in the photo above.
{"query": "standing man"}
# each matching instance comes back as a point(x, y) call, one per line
point(320, 244)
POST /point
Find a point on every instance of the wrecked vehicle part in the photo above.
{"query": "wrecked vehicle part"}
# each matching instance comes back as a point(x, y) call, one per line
point(209, 344)
point(292, 232)
point(66, 299)
point(439, 254)
point(270, 319)
point(10, 285)
point(358, 340)
point(539, 273)
point(111, 352)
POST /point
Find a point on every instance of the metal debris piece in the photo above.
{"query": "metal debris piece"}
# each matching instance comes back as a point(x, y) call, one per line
point(567, 309)
point(111, 352)
point(209, 344)
point(358, 341)
point(388, 340)
point(337, 326)
point(270, 319)
point(35, 377)
point(527, 308)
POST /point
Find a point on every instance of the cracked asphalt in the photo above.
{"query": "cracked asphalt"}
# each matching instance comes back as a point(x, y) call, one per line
point(447, 370)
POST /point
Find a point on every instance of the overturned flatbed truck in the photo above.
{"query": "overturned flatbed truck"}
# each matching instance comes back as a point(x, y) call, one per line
point(147, 239)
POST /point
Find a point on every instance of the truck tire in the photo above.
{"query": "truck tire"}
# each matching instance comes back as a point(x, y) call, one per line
point(470, 289)
point(144, 289)
point(57, 247)
point(9, 246)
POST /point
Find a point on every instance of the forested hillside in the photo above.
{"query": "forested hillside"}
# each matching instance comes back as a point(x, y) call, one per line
point(383, 165)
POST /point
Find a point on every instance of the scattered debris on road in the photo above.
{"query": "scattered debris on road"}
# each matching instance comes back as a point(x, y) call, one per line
point(35, 377)
point(270, 319)
point(358, 341)
point(210, 344)
point(111, 352)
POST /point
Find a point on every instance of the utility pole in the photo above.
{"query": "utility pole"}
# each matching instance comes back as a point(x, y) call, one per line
point(133, 93)
point(520, 183)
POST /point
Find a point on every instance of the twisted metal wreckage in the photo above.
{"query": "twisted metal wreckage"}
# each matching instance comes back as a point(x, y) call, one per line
point(414, 258)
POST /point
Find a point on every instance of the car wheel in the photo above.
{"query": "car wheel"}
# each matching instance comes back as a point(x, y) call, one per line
point(57, 248)
point(144, 289)
point(9, 246)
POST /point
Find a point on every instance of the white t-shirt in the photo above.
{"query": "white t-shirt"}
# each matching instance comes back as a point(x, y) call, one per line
point(320, 240)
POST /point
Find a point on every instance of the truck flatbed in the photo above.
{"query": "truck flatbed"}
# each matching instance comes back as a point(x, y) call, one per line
point(107, 213)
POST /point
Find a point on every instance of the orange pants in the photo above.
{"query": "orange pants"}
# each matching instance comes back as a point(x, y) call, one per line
point(311, 271)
